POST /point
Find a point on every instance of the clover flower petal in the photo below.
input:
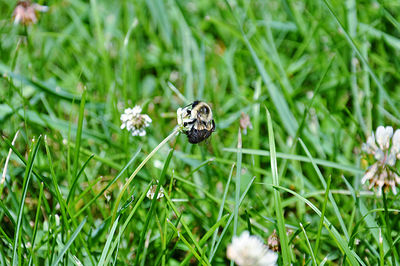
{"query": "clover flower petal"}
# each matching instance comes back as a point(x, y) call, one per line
point(385, 149)
point(26, 12)
point(152, 191)
point(383, 136)
point(249, 250)
point(370, 173)
point(396, 141)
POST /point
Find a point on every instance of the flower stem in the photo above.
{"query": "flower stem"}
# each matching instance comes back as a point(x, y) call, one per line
point(114, 213)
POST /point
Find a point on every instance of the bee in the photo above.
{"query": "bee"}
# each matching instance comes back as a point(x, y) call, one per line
point(196, 121)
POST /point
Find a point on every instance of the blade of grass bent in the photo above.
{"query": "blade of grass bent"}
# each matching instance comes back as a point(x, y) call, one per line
point(212, 230)
point(308, 245)
point(321, 222)
point(108, 243)
point(187, 244)
point(278, 99)
point(352, 25)
point(353, 258)
point(109, 183)
point(298, 158)
point(66, 247)
point(230, 220)
point(221, 209)
point(331, 199)
point(23, 160)
point(72, 190)
point(3, 176)
point(60, 199)
point(174, 132)
point(122, 229)
point(187, 229)
point(16, 259)
point(58, 92)
point(277, 199)
point(152, 206)
point(364, 61)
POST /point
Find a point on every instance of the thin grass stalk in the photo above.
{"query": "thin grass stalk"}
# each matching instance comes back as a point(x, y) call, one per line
point(286, 256)
point(17, 252)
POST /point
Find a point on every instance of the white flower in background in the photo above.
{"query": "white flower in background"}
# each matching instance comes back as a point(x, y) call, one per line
point(385, 148)
point(26, 12)
point(152, 190)
point(134, 121)
point(248, 250)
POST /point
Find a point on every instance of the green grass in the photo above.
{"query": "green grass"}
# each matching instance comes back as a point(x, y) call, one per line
point(73, 185)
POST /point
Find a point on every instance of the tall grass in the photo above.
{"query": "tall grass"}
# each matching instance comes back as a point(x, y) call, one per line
point(325, 70)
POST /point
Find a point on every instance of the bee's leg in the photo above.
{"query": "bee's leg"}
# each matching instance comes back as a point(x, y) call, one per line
point(189, 122)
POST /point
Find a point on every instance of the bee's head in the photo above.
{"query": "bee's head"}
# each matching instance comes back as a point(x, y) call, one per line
point(202, 111)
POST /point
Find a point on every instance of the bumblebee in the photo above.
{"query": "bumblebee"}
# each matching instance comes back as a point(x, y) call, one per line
point(196, 121)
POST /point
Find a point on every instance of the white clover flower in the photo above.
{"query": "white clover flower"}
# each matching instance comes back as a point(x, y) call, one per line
point(134, 121)
point(248, 250)
point(26, 12)
point(385, 148)
point(152, 190)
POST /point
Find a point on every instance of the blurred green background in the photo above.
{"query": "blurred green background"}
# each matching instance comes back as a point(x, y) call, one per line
point(325, 70)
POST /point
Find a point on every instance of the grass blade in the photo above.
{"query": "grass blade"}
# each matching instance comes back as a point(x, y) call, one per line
point(353, 258)
point(221, 210)
point(3, 176)
point(309, 245)
point(72, 190)
point(66, 247)
point(152, 206)
point(23, 160)
point(230, 221)
point(170, 136)
point(331, 199)
point(78, 138)
point(58, 92)
point(36, 223)
point(301, 158)
point(110, 183)
point(187, 229)
point(108, 243)
point(364, 61)
point(17, 259)
point(213, 230)
point(321, 221)
point(122, 229)
point(183, 239)
point(277, 199)
point(237, 184)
